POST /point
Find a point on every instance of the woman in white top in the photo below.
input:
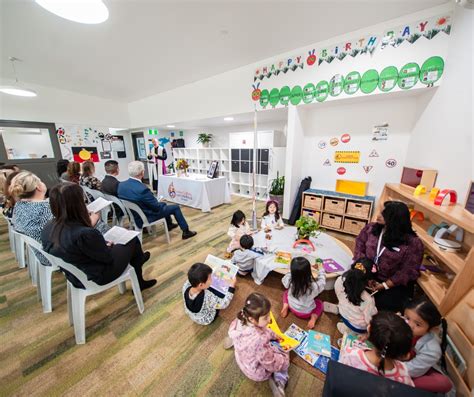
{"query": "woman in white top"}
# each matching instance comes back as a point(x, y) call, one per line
point(356, 305)
point(272, 218)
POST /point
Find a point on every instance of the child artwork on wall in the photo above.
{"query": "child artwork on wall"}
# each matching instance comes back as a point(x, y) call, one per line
point(380, 132)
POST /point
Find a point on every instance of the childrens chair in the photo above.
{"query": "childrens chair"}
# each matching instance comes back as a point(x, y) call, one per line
point(76, 297)
point(132, 207)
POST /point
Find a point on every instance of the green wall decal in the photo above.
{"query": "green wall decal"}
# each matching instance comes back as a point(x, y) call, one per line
point(388, 78)
point(336, 84)
point(431, 70)
point(408, 75)
point(369, 81)
point(322, 90)
point(352, 83)
point(309, 91)
point(274, 96)
point(285, 95)
point(296, 95)
point(264, 98)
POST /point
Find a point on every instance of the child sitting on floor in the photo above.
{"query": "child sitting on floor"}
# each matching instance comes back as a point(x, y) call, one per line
point(256, 357)
point(391, 337)
point(201, 301)
point(302, 290)
point(272, 218)
point(244, 257)
point(356, 305)
point(238, 227)
point(423, 366)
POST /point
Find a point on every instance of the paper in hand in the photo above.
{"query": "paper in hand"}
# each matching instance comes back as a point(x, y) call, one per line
point(98, 205)
point(120, 235)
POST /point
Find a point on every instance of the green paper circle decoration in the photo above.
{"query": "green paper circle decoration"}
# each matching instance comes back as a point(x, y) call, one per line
point(296, 95)
point(264, 98)
point(408, 76)
point(431, 70)
point(352, 83)
point(369, 81)
point(322, 90)
point(274, 97)
point(336, 84)
point(388, 78)
point(309, 91)
point(285, 95)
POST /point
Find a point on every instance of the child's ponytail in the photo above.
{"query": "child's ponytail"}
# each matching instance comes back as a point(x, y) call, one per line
point(444, 342)
point(383, 352)
point(256, 306)
point(357, 278)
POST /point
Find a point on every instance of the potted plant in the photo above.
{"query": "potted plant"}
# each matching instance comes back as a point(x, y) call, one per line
point(307, 227)
point(182, 167)
point(277, 189)
point(204, 139)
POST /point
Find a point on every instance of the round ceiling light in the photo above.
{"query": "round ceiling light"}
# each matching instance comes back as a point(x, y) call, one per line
point(16, 90)
point(82, 11)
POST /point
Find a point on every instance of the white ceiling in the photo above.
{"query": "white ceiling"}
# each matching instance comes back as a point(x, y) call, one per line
point(146, 46)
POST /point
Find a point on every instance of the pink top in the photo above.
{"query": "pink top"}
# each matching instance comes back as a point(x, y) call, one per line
point(255, 356)
point(356, 358)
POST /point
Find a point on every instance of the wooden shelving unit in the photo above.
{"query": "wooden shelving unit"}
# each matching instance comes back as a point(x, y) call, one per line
point(446, 290)
point(345, 213)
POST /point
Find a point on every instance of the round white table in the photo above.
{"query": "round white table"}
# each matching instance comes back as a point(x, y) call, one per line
point(325, 245)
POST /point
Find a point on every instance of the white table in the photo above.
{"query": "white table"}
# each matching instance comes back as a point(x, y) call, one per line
point(194, 190)
point(326, 247)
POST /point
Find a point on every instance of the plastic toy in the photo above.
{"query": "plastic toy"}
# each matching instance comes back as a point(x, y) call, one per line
point(419, 190)
point(453, 197)
point(433, 193)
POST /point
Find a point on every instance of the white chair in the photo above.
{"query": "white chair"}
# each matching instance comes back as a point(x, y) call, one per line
point(10, 235)
point(76, 297)
point(25, 257)
point(45, 274)
point(135, 208)
point(119, 203)
point(95, 194)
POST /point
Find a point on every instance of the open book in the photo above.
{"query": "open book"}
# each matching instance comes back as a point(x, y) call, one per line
point(223, 272)
point(98, 205)
point(285, 342)
point(120, 235)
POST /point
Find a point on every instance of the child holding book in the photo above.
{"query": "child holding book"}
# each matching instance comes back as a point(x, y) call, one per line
point(391, 337)
point(238, 227)
point(256, 357)
point(244, 257)
point(356, 305)
point(202, 302)
point(302, 290)
point(423, 366)
point(272, 218)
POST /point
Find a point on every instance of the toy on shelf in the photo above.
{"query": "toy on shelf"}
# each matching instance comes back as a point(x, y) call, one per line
point(305, 245)
point(417, 215)
point(449, 245)
point(351, 187)
point(433, 229)
point(453, 197)
point(434, 193)
point(419, 190)
point(415, 176)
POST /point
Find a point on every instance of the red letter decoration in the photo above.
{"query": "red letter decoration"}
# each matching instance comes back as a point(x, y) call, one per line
point(453, 197)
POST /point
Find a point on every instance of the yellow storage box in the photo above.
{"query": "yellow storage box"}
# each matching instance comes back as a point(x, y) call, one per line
point(351, 187)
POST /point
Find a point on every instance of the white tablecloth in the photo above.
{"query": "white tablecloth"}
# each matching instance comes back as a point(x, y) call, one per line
point(325, 245)
point(194, 190)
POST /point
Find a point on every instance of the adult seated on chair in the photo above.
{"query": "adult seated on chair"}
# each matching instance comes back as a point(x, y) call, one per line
point(110, 182)
point(9, 201)
point(87, 178)
point(136, 191)
point(397, 251)
point(61, 169)
point(73, 173)
point(71, 236)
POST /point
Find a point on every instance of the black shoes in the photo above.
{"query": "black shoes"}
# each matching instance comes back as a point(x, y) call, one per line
point(146, 256)
point(147, 284)
point(188, 234)
point(172, 226)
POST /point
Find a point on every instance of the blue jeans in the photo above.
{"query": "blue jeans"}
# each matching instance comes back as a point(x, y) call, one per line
point(171, 209)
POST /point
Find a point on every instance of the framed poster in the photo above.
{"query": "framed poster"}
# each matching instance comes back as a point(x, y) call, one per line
point(213, 170)
point(469, 205)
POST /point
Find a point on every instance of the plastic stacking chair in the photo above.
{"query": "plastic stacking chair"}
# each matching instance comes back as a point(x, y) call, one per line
point(45, 273)
point(95, 194)
point(25, 257)
point(119, 203)
point(10, 236)
point(132, 207)
point(76, 297)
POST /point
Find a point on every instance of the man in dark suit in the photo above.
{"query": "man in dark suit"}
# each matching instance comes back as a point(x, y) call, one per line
point(110, 182)
point(136, 191)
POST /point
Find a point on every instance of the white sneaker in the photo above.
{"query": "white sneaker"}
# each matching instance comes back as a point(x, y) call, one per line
point(329, 307)
point(343, 328)
point(277, 389)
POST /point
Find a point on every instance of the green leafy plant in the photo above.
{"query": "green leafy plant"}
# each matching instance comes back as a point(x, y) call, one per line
point(277, 187)
point(307, 227)
point(204, 138)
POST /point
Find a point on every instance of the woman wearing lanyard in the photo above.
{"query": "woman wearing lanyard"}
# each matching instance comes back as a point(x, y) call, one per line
point(397, 252)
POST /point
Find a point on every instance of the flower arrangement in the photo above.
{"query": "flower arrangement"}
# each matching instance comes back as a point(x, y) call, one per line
point(182, 164)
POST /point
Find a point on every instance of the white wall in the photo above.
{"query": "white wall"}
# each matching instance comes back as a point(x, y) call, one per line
point(59, 106)
point(442, 138)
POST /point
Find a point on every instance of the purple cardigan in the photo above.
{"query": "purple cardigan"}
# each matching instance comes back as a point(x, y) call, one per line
point(400, 267)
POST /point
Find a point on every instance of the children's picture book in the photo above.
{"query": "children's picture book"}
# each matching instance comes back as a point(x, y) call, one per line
point(283, 257)
point(331, 266)
point(354, 341)
point(223, 272)
point(318, 361)
point(453, 353)
point(284, 342)
point(319, 343)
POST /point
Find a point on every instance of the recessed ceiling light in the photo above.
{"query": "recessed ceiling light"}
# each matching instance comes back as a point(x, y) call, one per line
point(170, 126)
point(83, 11)
point(228, 118)
point(16, 89)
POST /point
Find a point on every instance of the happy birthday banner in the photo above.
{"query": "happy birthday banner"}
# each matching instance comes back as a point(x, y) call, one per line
point(427, 28)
